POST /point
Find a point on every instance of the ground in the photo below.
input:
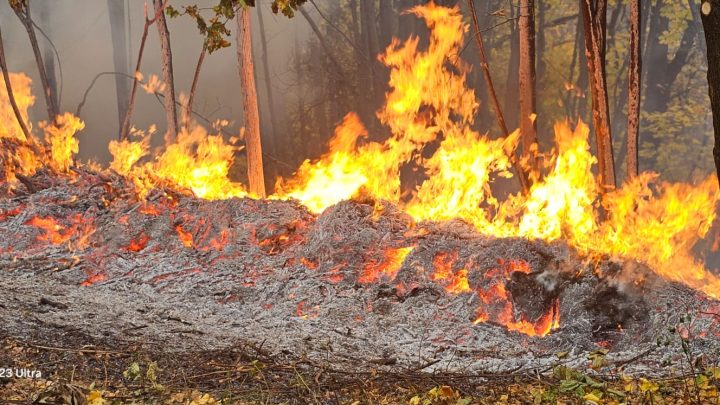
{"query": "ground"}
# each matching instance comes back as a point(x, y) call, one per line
point(121, 373)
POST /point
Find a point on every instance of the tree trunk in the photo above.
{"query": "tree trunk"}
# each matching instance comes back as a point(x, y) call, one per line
point(710, 15)
point(116, 10)
point(49, 58)
point(272, 136)
point(187, 111)
point(370, 34)
point(387, 23)
point(634, 90)
point(594, 20)
point(167, 68)
point(323, 42)
point(405, 22)
point(526, 26)
point(23, 13)
point(11, 96)
point(522, 176)
point(253, 145)
point(511, 83)
point(125, 130)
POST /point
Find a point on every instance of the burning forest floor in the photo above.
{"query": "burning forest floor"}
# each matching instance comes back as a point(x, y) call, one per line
point(360, 288)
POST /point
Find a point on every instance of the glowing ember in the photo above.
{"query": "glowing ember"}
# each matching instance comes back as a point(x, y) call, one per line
point(185, 237)
point(455, 283)
point(139, 243)
point(387, 267)
point(498, 306)
point(76, 235)
point(93, 279)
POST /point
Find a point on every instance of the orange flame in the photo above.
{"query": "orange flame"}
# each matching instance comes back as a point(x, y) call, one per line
point(185, 237)
point(80, 230)
point(388, 267)
point(646, 220)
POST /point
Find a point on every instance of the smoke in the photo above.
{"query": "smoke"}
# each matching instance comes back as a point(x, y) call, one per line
point(80, 31)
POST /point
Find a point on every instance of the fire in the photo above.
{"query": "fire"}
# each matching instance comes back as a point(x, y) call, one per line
point(195, 161)
point(498, 305)
point(76, 235)
point(185, 237)
point(388, 267)
point(21, 158)
point(455, 283)
point(139, 243)
point(646, 220)
point(60, 135)
point(429, 99)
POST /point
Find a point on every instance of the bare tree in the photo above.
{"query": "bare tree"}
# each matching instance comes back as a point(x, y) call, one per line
point(710, 15)
point(187, 111)
point(323, 42)
point(594, 14)
point(125, 130)
point(22, 10)
point(485, 66)
point(253, 145)
point(526, 27)
point(370, 37)
point(116, 12)
point(268, 85)
point(167, 68)
point(634, 90)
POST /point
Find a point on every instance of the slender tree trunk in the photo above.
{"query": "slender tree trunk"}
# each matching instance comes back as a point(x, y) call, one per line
point(187, 111)
point(116, 10)
point(250, 104)
point(23, 13)
point(323, 42)
point(512, 86)
point(49, 58)
point(571, 95)
point(634, 90)
point(594, 21)
point(485, 66)
point(526, 26)
point(405, 22)
point(167, 68)
point(710, 15)
point(369, 28)
point(125, 131)
point(11, 96)
point(272, 136)
point(387, 23)
point(542, 11)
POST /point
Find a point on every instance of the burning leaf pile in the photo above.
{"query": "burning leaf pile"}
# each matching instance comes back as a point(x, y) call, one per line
point(340, 263)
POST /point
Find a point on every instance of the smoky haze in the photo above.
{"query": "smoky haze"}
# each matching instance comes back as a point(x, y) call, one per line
point(80, 30)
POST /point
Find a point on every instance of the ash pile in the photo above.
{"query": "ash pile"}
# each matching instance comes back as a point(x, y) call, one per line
point(361, 286)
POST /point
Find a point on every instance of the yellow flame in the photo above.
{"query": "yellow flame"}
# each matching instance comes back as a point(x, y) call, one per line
point(61, 138)
point(195, 161)
point(428, 99)
point(9, 127)
point(21, 159)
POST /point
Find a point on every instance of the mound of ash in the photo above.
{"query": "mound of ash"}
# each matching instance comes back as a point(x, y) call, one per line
point(361, 286)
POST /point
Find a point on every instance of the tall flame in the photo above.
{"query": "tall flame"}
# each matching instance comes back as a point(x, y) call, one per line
point(647, 220)
point(429, 99)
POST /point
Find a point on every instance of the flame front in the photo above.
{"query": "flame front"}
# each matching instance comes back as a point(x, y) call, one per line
point(647, 220)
